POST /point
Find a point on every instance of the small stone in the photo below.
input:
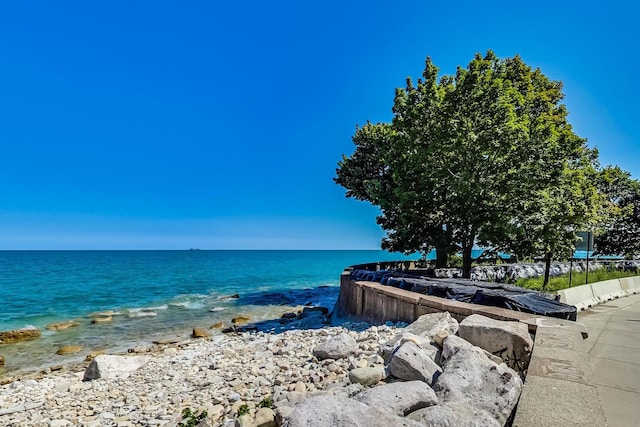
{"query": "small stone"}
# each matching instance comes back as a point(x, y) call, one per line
point(93, 355)
point(215, 412)
point(265, 417)
point(300, 387)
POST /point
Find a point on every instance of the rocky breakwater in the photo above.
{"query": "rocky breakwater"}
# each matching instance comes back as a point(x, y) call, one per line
point(354, 374)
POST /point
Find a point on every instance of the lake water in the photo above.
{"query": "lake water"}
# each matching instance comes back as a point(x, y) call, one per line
point(156, 293)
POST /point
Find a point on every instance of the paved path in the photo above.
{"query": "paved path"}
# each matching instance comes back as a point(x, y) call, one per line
point(614, 358)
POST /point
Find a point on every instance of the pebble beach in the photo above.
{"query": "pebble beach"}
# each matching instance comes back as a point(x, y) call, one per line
point(218, 375)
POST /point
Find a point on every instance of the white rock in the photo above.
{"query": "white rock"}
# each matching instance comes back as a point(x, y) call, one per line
point(471, 377)
point(113, 366)
point(400, 398)
point(367, 376)
point(338, 411)
point(410, 362)
point(457, 414)
point(336, 347)
point(511, 340)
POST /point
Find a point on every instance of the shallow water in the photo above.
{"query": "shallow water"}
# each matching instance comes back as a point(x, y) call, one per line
point(157, 293)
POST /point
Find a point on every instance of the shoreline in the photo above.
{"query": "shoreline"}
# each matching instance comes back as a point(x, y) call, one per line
point(129, 334)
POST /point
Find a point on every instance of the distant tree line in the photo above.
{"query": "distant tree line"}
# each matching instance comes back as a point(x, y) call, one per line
point(487, 156)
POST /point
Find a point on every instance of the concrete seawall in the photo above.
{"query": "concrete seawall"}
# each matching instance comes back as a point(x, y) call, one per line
point(565, 383)
point(376, 303)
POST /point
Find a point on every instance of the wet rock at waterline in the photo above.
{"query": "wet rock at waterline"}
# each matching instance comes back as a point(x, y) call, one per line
point(200, 333)
point(18, 335)
point(62, 325)
point(68, 349)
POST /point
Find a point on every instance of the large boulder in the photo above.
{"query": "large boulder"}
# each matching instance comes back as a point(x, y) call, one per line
point(509, 340)
point(411, 362)
point(471, 377)
point(400, 398)
point(425, 326)
point(457, 414)
point(428, 344)
point(428, 325)
point(18, 335)
point(342, 412)
point(113, 366)
point(337, 347)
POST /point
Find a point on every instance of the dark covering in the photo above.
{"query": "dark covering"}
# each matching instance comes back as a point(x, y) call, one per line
point(474, 292)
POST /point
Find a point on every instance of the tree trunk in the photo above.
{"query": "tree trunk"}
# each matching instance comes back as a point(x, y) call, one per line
point(466, 260)
point(442, 257)
point(547, 268)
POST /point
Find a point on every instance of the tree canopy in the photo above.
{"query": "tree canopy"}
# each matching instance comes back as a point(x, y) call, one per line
point(486, 155)
point(619, 229)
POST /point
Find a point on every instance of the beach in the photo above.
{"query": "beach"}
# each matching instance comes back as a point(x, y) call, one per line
point(219, 375)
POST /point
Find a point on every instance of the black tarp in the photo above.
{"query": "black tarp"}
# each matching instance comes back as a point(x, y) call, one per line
point(474, 292)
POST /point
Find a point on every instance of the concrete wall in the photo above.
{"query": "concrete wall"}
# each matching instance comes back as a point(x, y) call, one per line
point(376, 304)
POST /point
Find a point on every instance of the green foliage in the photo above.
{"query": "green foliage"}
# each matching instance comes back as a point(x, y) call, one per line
point(455, 261)
point(485, 155)
point(243, 410)
point(265, 403)
point(618, 231)
point(191, 419)
point(562, 282)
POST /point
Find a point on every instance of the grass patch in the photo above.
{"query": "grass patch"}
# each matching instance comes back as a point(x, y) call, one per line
point(577, 279)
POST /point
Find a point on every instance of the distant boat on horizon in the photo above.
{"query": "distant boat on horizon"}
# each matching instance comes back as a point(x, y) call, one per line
point(194, 249)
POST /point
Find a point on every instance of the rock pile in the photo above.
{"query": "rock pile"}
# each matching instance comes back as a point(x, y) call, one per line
point(509, 273)
point(355, 374)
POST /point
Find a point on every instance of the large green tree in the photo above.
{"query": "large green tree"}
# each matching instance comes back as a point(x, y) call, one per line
point(463, 155)
point(619, 231)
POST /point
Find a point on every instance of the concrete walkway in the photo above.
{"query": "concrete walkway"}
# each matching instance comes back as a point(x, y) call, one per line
point(613, 347)
point(573, 381)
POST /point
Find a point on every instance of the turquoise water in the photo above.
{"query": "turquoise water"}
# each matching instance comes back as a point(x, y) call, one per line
point(156, 293)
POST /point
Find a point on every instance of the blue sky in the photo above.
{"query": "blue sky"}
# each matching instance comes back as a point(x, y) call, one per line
point(218, 125)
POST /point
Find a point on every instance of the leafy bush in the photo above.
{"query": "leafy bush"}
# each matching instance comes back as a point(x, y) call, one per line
point(265, 403)
point(577, 279)
point(190, 419)
point(243, 410)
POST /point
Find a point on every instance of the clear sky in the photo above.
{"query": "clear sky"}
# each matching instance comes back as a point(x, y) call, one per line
point(218, 125)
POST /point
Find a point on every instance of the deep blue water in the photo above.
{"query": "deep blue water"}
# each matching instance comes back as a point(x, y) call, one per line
point(156, 292)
